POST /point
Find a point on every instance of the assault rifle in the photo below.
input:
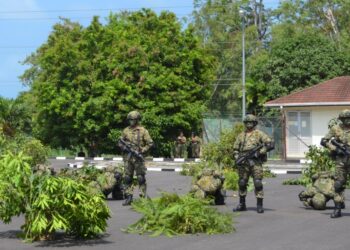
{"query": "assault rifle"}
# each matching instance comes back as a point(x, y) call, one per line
point(248, 157)
point(131, 152)
point(343, 148)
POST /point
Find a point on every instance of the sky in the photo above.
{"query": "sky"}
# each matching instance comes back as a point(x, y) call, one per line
point(26, 24)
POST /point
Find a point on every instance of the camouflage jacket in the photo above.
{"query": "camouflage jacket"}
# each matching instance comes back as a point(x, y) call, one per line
point(181, 140)
point(195, 140)
point(246, 141)
point(138, 137)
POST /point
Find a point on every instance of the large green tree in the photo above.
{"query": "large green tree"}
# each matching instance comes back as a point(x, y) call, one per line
point(298, 57)
point(86, 80)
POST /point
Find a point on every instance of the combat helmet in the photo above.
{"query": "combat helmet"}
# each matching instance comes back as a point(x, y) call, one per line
point(344, 114)
point(250, 118)
point(344, 117)
point(134, 115)
point(319, 201)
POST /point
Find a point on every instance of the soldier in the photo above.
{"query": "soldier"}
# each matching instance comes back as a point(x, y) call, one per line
point(321, 191)
point(338, 141)
point(139, 141)
point(195, 145)
point(180, 146)
point(246, 141)
point(209, 183)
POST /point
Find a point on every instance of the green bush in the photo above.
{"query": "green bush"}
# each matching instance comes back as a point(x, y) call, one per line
point(221, 152)
point(36, 151)
point(49, 203)
point(231, 179)
point(173, 215)
point(320, 161)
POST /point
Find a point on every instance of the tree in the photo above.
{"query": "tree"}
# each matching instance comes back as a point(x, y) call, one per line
point(298, 57)
point(15, 116)
point(219, 25)
point(86, 80)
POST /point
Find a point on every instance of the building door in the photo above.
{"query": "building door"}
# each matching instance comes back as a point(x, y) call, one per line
point(298, 128)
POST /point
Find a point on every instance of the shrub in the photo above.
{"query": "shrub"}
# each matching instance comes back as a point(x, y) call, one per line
point(173, 215)
point(49, 203)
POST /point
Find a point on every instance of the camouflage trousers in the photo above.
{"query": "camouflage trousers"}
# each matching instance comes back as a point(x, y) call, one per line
point(180, 150)
point(195, 150)
point(342, 171)
point(131, 166)
point(244, 172)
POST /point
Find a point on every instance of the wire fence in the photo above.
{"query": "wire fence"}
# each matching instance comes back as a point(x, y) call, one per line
point(213, 126)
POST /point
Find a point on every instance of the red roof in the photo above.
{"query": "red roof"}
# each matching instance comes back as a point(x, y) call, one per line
point(332, 92)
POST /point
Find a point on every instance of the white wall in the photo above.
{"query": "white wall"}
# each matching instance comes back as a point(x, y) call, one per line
point(320, 116)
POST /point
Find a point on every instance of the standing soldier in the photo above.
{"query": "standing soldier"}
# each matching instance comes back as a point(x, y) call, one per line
point(338, 141)
point(247, 143)
point(135, 141)
point(195, 145)
point(180, 146)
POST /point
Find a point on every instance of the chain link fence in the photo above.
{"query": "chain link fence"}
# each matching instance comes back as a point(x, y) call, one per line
point(213, 126)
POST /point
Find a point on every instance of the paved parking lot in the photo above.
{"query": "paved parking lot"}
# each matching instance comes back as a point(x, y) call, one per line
point(285, 225)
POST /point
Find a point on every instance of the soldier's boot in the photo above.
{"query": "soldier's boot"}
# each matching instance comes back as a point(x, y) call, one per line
point(241, 206)
point(128, 200)
point(259, 206)
point(337, 210)
point(342, 205)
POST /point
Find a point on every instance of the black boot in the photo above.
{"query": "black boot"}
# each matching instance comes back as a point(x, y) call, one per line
point(337, 210)
point(241, 206)
point(342, 205)
point(259, 205)
point(128, 200)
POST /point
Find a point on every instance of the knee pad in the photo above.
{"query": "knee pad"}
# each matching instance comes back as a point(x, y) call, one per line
point(242, 184)
point(338, 186)
point(127, 180)
point(117, 176)
point(141, 179)
point(258, 184)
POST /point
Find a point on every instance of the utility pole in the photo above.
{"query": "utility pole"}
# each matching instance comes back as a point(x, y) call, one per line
point(242, 13)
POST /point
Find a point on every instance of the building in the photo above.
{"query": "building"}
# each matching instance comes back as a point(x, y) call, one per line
point(306, 113)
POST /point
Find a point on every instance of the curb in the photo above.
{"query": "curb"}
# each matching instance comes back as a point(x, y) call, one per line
point(121, 159)
point(178, 169)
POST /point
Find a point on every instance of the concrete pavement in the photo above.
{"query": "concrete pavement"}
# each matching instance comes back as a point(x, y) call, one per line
point(285, 225)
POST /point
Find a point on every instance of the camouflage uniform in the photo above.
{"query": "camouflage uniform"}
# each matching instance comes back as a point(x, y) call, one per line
point(180, 146)
point(139, 139)
point(195, 146)
point(244, 143)
point(321, 191)
point(340, 133)
point(209, 183)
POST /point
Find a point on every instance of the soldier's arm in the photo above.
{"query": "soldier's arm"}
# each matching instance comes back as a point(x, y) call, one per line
point(148, 142)
point(267, 142)
point(325, 141)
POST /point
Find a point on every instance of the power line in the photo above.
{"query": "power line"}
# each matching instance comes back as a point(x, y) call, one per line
point(89, 10)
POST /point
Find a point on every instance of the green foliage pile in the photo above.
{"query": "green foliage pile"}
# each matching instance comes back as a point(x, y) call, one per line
point(49, 203)
point(174, 215)
point(320, 161)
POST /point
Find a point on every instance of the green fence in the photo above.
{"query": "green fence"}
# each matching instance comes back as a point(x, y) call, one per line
point(213, 126)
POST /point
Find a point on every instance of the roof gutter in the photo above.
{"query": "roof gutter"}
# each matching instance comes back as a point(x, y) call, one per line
point(306, 104)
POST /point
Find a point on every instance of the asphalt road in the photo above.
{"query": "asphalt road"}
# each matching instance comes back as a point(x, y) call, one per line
point(285, 225)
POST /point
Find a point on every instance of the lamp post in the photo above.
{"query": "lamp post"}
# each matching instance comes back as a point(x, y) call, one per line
point(242, 13)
